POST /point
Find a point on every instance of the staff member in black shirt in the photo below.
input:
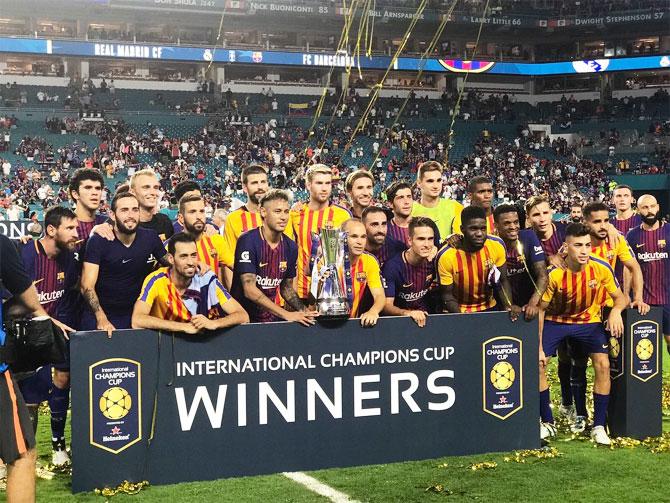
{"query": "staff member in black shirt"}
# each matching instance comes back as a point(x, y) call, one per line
point(17, 440)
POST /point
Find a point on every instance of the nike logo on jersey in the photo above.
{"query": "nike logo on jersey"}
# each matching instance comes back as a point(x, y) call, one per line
point(408, 285)
point(262, 264)
point(605, 346)
point(126, 260)
point(639, 246)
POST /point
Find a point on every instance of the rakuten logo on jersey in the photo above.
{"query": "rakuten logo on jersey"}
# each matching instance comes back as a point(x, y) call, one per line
point(267, 283)
point(652, 256)
point(409, 297)
point(46, 297)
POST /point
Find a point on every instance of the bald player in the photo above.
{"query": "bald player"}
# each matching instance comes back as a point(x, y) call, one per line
point(649, 242)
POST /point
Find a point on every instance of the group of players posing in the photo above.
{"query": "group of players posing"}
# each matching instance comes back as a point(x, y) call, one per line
point(135, 268)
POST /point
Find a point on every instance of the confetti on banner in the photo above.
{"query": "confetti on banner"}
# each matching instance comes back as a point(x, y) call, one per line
point(486, 465)
point(530, 454)
point(125, 487)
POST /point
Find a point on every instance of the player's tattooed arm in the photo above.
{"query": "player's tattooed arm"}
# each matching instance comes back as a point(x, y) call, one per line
point(92, 299)
point(449, 302)
point(290, 295)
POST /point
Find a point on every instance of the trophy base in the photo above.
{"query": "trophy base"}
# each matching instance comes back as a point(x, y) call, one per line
point(332, 308)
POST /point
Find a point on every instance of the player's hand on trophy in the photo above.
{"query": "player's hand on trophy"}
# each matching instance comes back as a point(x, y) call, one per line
point(614, 324)
point(419, 317)
point(369, 319)
point(514, 312)
point(306, 318)
point(642, 307)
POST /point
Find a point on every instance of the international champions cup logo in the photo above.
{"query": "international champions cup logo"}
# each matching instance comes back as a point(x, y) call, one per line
point(644, 354)
point(502, 378)
point(616, 358)
point(115, 404)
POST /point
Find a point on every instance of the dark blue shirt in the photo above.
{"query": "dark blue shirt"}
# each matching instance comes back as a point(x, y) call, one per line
point(520, 260)
point(271, 266)
point(55, 278)
point(123, 268)
point(408, 284)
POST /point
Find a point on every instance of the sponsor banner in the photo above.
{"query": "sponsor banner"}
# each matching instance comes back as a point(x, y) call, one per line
point(644, 349)
point(115, 404)
point(300, 398)
point(15, 229)
point(502, 376)
point(324, 60)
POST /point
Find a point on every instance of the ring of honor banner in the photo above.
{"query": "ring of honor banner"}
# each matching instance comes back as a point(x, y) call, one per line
point(635, 368)
point(280, 397)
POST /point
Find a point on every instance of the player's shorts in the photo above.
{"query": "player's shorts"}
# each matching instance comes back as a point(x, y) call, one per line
point(36, 387)
point(16, 429)
point(584, 338)
point(64, 366)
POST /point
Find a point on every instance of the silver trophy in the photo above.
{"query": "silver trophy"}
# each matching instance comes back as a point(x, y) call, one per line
point(329, 273)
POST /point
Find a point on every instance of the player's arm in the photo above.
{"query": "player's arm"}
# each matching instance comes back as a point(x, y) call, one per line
point(89, 277)
point(506, 289)
point(142, 319)
point(449, 299)
point(614, 320)
point(416, 314)
point(255, 295)
point(633, 276)
point(235, 315)
point(369, 318)
point(540, 323)
point(540, 273)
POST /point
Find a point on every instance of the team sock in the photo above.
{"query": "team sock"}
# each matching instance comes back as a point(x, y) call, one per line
point(59, 402)
point(578, 385)
point(600, 403)
point(545, 409)
point(564, 379)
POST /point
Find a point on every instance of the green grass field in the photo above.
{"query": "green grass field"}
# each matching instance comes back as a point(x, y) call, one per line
point(582, 472)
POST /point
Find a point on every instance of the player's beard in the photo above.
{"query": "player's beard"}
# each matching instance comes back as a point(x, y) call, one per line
point(650, 219)
point(256, 196)
point(193, 230)
point(121, 227)
point(66, 246)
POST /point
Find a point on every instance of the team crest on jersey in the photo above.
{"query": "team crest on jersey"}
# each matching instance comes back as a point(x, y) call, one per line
point(60, 277)
point(661, 243)
point(488, 263)
point(610, 254)
point(361, 277)
point(212, 253)
point(429, 278)
point(283, 266)
point(593, 283)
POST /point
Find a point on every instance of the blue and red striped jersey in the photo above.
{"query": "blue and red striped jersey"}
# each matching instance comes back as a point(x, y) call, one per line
point(54, 278)
point(650, 248)
point(623, 226)
point(554, 243)
point(520, 260)
point(397, 233)
point(408, 284)
point(254, 255)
